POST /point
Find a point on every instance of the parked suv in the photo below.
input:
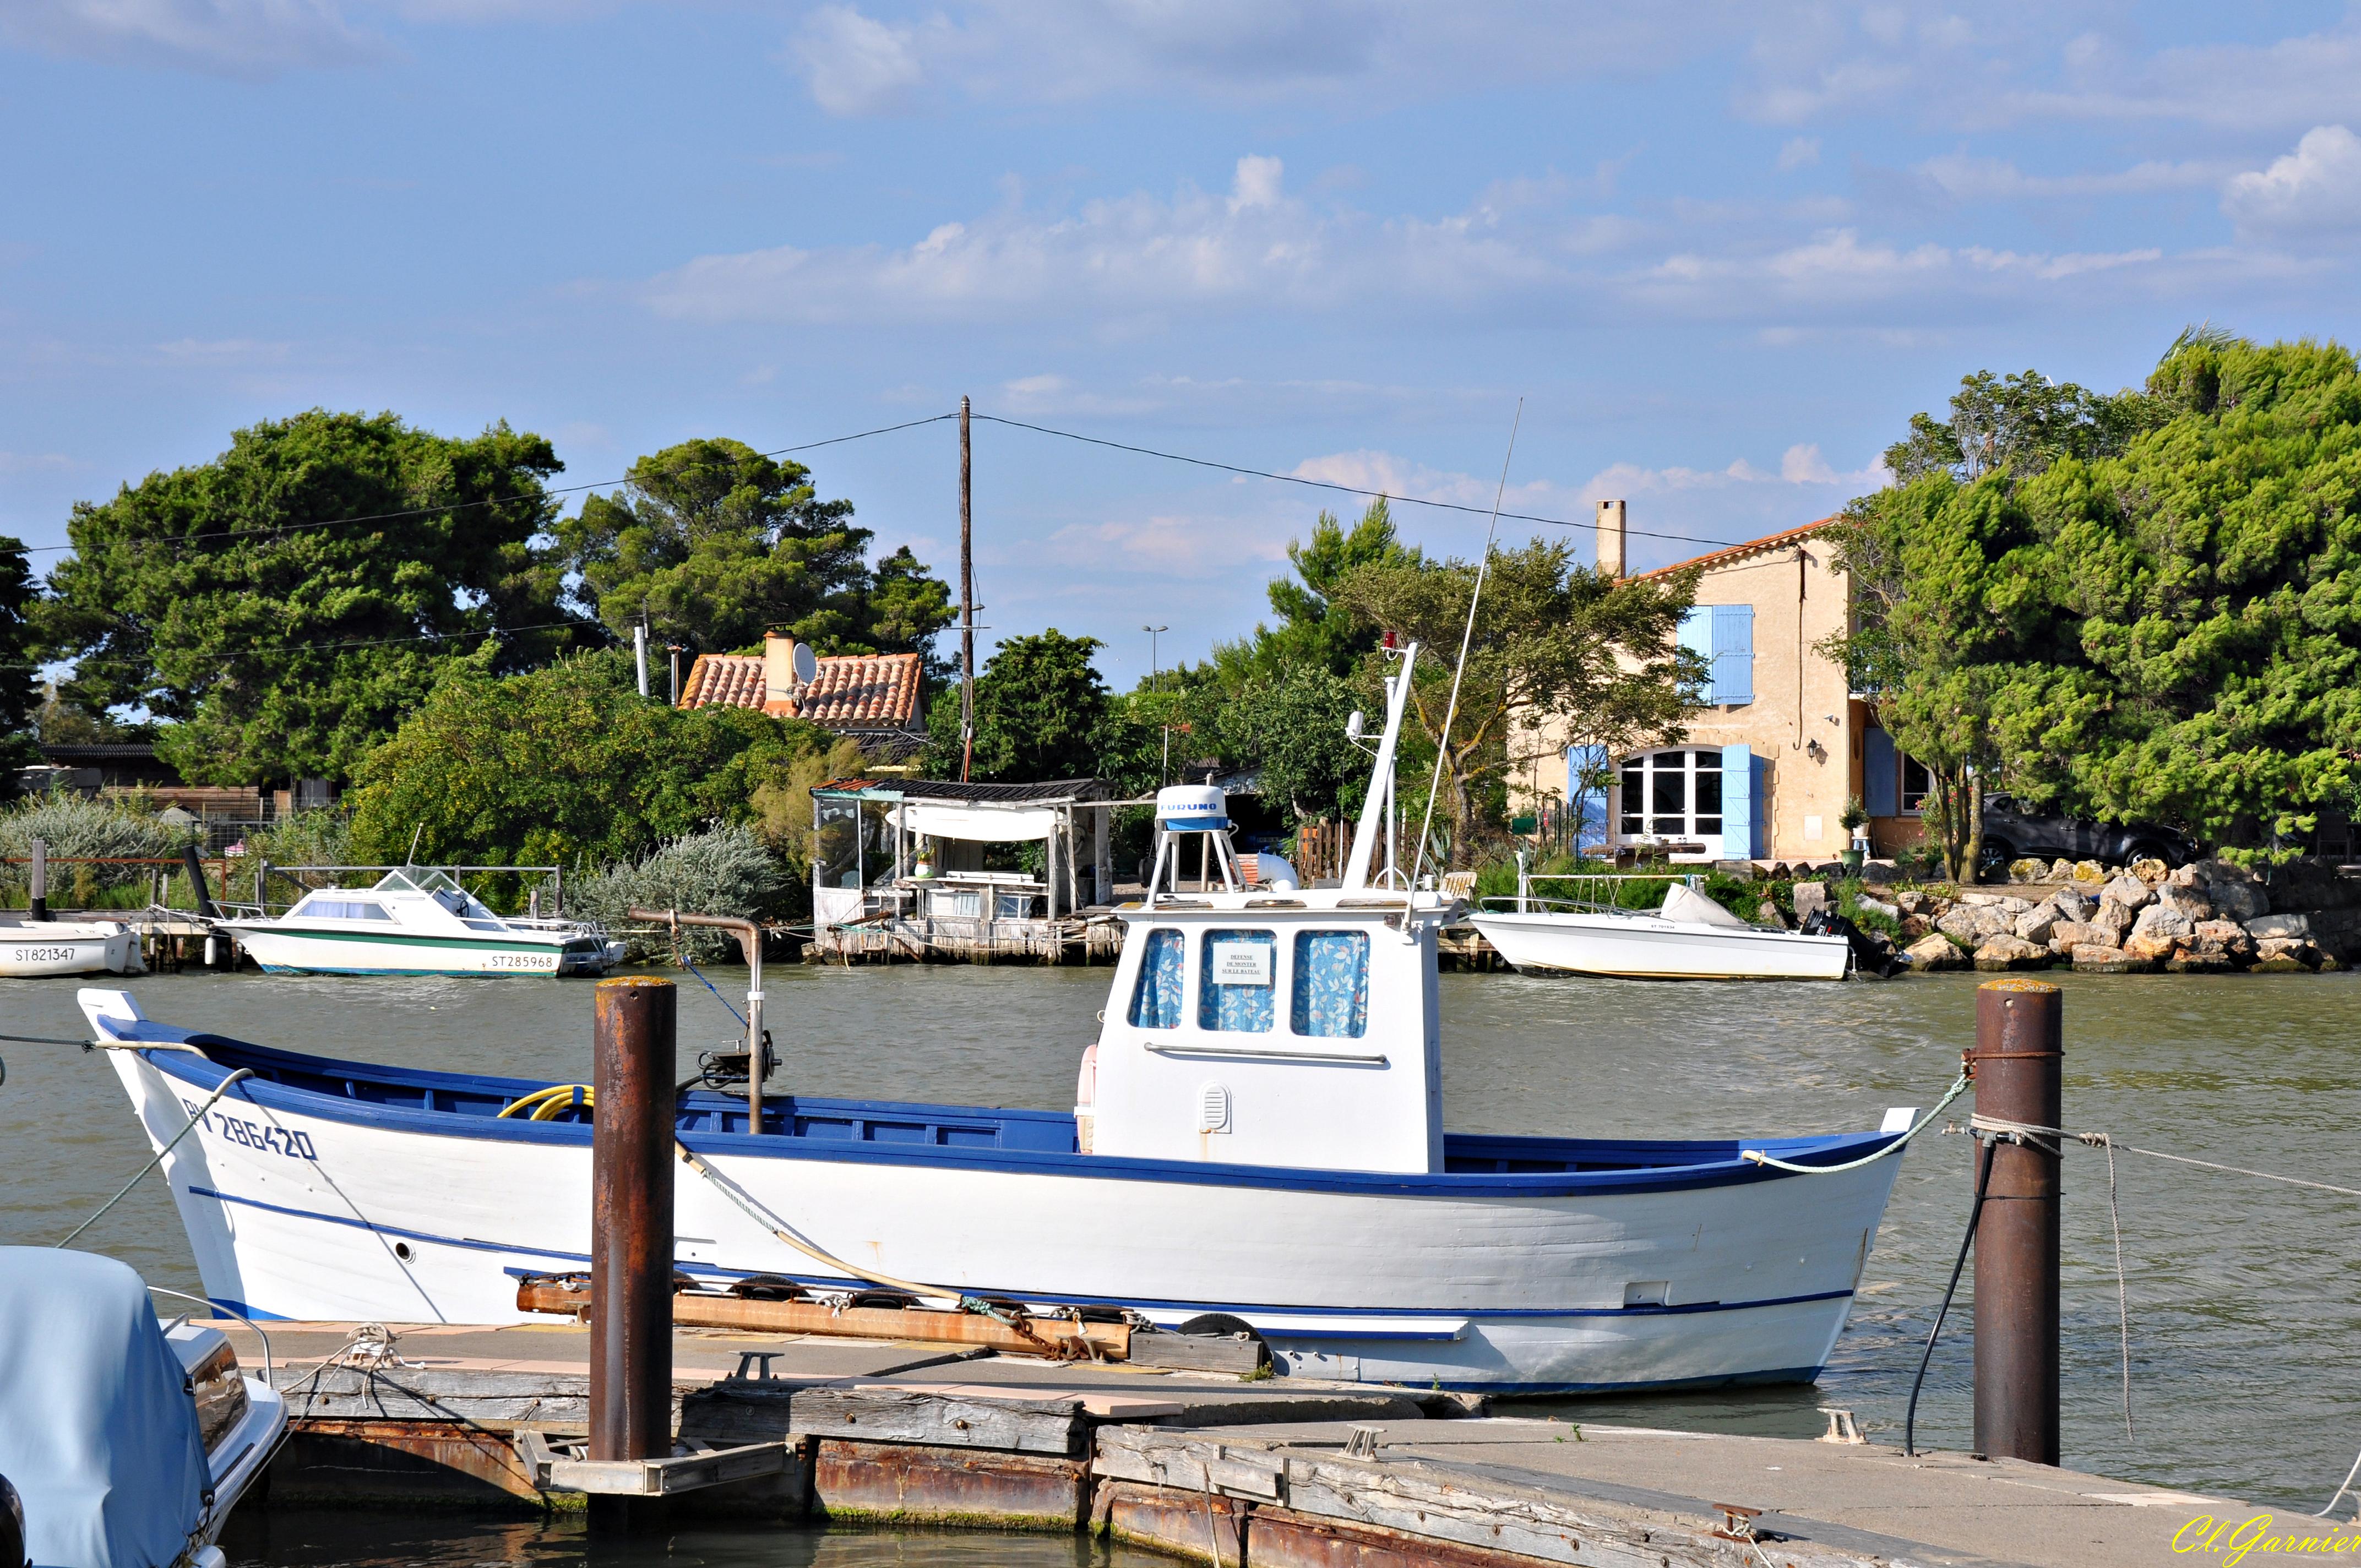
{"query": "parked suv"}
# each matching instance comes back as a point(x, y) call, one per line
point(2012, 832)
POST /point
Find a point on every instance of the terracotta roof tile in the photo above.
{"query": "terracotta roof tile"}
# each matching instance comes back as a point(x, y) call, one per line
point(853, 691)
point(1737, 552)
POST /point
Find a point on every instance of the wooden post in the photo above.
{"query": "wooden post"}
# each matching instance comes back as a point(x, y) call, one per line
point(967, 610)
point(632, 1233)
point(2019, 1063)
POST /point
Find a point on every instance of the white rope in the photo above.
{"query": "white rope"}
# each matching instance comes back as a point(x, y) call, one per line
point(2342, 1490)
point(1959, 1086)
point(194, 1117)
point(2029, 1131)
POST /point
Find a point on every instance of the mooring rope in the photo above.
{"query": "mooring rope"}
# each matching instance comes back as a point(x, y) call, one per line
point(1959, 1086)
point(195, 1117)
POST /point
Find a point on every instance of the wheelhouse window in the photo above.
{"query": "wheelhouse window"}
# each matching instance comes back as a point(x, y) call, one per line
point(1156, 1000)
point(344, 909)
point(1237, 981)
point(1672, 794)
point(1331, 994)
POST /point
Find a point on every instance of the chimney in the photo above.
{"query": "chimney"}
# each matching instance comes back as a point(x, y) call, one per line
point(1611, 538)
point(779, 687)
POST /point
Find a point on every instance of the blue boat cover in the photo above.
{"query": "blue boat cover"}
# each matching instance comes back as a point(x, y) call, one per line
point(97, 1430)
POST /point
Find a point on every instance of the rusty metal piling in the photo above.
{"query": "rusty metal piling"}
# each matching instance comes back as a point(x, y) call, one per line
point(2019, 1068)
point(631, 1235)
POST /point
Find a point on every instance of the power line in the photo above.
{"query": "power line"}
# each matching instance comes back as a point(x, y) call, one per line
point(486, 501)
point(1331, 485)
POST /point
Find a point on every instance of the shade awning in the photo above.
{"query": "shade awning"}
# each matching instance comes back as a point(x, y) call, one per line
point(976, 823)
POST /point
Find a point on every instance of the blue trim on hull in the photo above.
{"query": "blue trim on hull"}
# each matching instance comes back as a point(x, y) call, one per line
point(1479, 1314)
point(1031, 1143)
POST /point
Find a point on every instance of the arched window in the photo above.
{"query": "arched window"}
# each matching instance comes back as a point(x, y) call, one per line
point(1672, 795)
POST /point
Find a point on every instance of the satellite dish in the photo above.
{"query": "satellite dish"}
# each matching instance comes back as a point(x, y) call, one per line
point(1354, 725)
point(806, 666)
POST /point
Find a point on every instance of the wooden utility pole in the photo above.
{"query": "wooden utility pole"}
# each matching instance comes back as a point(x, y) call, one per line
point(967, 611)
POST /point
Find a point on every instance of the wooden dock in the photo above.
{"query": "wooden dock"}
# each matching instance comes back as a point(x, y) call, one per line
point(887, 938)
point(1281, 1473)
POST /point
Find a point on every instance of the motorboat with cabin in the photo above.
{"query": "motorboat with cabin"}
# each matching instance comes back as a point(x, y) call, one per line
point(1689, 937)
point(1258, 1135)
point(417, 921)
point(127, 1440)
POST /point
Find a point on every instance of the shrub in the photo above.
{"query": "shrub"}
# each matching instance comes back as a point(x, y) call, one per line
point(73, 826)
point(725, 871)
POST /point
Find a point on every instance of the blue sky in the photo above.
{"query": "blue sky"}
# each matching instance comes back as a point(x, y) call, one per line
point(1722, 252)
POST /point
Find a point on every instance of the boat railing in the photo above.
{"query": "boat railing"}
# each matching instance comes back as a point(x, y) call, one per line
point(1603, 900)
point(1533, 904)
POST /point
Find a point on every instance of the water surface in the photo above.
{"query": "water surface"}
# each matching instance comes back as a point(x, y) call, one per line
point(2243, 1294)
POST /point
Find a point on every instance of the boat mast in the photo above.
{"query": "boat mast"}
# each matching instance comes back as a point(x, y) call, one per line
point(1375, 808)
point(967, 612)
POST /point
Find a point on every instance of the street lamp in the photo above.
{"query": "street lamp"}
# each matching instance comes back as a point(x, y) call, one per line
point(1155, 683)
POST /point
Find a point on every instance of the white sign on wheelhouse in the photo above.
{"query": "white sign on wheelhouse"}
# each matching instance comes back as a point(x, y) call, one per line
point(1241, 963)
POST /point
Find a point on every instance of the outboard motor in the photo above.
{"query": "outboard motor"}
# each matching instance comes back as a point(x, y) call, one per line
point(1872, 953)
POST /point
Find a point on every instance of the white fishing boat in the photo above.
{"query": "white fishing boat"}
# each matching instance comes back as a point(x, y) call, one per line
point(416, 921)
point(31, 949)
point(1259, 1137)
point(1689, 937)
point(126, 1440)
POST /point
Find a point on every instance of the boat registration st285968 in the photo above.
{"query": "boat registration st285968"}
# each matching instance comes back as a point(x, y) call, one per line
point(255, 1134)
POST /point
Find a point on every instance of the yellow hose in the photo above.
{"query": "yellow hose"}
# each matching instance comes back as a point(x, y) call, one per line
point(546, 1103)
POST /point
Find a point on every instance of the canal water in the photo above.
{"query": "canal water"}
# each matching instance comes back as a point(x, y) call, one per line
point(2244, 1296)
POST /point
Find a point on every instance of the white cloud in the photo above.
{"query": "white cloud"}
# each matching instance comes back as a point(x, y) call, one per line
point(1030, 51)
point(36, 463)
point(2315, 190)
point(248, 39)
point(1137, 255)
point(228, 351)
point(2306, 80)
point(1799, 153)
point(1966, 179)
point(857, 65)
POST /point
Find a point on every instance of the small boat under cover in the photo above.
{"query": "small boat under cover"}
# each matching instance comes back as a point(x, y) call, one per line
point(129, 1443)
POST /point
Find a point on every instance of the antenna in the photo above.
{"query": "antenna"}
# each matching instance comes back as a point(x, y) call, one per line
point(1443, 746)
point(411, 858)
point(1354, 725)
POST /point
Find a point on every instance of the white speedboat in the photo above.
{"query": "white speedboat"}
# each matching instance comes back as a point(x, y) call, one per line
point(1690, 937)
point(1259, 1136)
point(417, 922)
point(31, 949)
point(127, 1442)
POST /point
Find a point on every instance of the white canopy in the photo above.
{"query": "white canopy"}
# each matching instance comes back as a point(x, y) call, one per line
point(1681, 903)
point(986, 824)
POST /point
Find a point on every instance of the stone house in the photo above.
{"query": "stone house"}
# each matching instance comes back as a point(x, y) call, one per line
point(1766, 770)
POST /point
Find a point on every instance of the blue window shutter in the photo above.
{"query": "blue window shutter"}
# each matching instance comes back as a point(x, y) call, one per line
point(1589, 806)
point(1758, 782)
point(1741, 833)
point(1733, 653)
point(1881, 782)
point(1696, 636)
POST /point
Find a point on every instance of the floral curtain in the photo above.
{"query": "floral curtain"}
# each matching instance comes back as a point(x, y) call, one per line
point(1332, 983)
point(1156, 1005)
point(1237, 1007)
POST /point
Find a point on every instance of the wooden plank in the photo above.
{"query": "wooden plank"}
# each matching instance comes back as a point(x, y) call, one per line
point(695, 1310)
point(1419, 1499)
point(949, 1421)
point(500, 1398)
point(664, 1477)
point(1199, 1353)
point(1161, 1458)
point(894, 1482)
